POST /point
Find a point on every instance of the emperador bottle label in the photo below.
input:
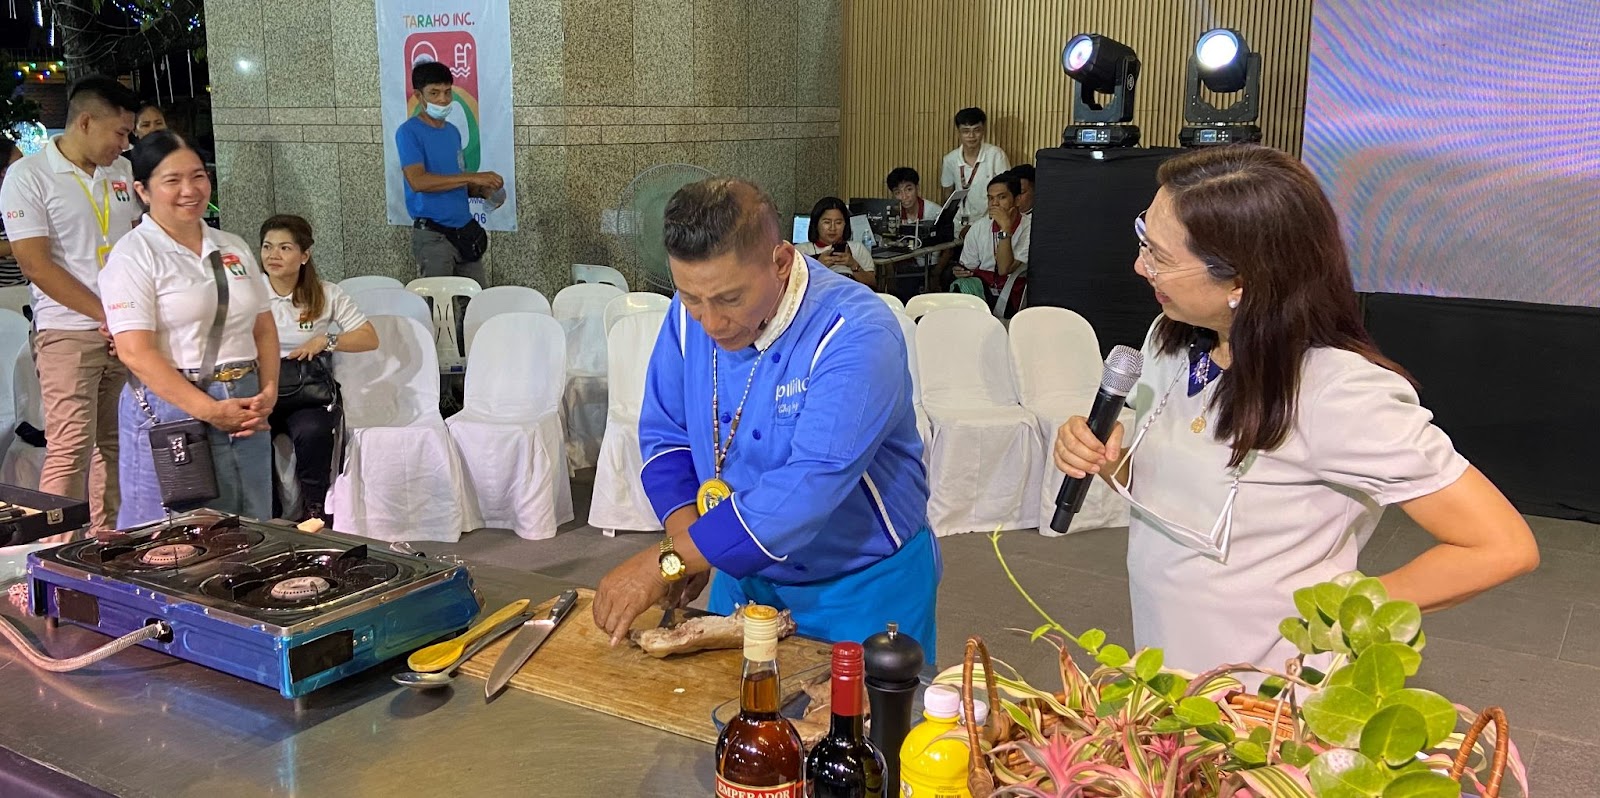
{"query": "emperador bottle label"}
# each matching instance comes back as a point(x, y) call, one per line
point(727, 789)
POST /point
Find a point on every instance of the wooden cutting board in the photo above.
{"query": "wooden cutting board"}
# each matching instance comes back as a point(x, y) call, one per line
point(577, 665)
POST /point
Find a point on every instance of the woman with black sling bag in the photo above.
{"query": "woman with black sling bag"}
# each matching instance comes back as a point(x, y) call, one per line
point(314, 319)
point(188, 310)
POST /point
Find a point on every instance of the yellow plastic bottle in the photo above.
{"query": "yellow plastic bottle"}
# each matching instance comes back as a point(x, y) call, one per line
point(931, 767)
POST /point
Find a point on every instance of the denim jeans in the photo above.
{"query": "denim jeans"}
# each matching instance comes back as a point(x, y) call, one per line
point(243, 465)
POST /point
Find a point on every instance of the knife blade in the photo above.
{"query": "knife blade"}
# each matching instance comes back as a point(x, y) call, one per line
point(528, 640)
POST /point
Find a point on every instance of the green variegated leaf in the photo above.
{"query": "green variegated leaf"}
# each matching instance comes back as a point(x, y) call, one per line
point(1336, 714)
point(1342, 773)
point(1148, 664)
point(1296, 754)
point(1422, 785)
point(1355, 608)
point(1400, 619)
point(1394, 735)
point(1312, 675)
point(1217, 732)
point(1092, 640)
point(1250, 752)
point(1276, 782)
point(1297, 633)
point(1168, 725)
point(1117, 690)
point(1197, 711)
point(1305, 601)
point(1380, 671)
point(1260, 736)
point(1112, 656)
point(1436, 710)
point(1325, 637)
point(1272, 686)
point(1170, 685)
point(1039, 632)
point(1361, 634)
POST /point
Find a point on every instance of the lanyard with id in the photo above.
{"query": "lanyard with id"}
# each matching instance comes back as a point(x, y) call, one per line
point(102, 216)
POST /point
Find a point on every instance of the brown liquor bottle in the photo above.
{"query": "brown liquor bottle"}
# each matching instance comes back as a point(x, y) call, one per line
point(758, 752)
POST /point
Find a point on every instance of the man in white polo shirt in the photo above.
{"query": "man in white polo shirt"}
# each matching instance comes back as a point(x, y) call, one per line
point(64, 207)
point(973, 164)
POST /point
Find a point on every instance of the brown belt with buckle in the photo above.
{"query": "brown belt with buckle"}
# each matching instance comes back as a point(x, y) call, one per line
point(227, 372)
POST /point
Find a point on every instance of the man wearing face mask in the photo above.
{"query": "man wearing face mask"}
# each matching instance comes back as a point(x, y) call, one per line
point(778, 435)
point(65, 206)
point(445, 239)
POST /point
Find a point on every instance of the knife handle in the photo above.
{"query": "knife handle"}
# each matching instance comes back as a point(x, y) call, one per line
point(563, 605)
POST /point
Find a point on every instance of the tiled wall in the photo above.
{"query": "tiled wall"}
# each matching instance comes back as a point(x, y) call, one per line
point(603, 89)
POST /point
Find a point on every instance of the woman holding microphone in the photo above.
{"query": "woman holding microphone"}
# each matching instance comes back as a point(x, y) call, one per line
point(160, 293)
point(1271, 433)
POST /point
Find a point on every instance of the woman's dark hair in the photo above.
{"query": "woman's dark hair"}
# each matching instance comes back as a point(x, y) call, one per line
point(1258, 215)
point(308, 295)
point(150, 106)
point(971, 116)
point(152, 150)
point(902, 174)
point(823, 206)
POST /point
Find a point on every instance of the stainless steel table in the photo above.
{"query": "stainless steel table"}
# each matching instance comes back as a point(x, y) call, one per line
point(144, 724)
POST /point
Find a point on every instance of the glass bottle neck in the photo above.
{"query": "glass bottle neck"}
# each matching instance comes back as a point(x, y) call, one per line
point(758, 689)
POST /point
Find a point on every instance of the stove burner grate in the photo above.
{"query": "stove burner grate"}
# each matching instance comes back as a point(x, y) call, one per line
point(170, 554)
point(300, 588)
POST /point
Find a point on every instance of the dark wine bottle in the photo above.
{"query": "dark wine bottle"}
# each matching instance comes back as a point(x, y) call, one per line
point(758, 752)
point(845, 764)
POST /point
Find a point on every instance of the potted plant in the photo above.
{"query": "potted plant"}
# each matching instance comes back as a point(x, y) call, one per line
point(1131, 727)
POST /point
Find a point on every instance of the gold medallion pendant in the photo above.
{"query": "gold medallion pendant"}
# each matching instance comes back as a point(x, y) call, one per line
point(712, 493)
point(1197, 426)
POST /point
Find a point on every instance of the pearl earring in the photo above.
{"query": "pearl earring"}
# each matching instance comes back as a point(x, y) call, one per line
point(1233, 302)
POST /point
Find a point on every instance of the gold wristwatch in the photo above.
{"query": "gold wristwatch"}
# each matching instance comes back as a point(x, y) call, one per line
point(672, 565)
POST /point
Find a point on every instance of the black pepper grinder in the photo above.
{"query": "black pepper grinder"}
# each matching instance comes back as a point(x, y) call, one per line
point(893, 667)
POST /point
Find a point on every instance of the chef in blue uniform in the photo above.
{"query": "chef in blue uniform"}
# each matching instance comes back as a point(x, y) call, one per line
point(779, 440)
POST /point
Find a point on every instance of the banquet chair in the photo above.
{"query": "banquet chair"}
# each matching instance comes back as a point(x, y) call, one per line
point(501, 299)
point(581, 309)
point(1056, 358)
point(982, 466)
point(403, 478)
point(510, 425)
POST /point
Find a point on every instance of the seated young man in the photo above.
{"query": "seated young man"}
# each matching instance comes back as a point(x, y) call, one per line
point(906, 185)
point(992, 252)
point(1025, 173)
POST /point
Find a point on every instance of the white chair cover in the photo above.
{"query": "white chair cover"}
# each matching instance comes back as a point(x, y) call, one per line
point(924, 427)
point(396, 302)
point(502, 299)
point(581, 309)
point(982, 469)
point(23, 461)
point(441, 293)
point(1056, 357)
point(367, 282)
point(510, 426)
point(636, 302)
point(619, 501)
point(586, 273)
point(403, 478)
point(893, 302)
point(923, 304)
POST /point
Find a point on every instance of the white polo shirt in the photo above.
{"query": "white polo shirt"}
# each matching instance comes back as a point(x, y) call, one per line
point(955, 173)
point(339, 312)
point(858, 251)
point(152, 282)
point(45, 195)
point(977, 250)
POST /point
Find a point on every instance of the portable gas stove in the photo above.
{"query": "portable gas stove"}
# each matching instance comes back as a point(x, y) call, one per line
point(260, 601)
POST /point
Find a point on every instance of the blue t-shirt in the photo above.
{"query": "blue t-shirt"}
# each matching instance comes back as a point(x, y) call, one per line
point(438, 149)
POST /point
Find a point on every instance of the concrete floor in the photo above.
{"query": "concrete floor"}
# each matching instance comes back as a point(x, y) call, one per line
point(1531, 647)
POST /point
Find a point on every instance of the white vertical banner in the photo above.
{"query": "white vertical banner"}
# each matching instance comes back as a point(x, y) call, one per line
point(473, 39)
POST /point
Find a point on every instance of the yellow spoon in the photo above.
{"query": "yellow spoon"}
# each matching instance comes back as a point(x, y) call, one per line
point(438, 656)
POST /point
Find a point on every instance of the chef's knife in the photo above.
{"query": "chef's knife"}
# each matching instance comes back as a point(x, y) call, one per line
point(533, 634)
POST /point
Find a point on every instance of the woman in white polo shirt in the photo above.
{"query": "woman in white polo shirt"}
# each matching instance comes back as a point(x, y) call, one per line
point(160, 294)
point(314, 319)
point(832, 245)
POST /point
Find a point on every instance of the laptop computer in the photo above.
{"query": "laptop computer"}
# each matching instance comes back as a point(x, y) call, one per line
point(944, 229)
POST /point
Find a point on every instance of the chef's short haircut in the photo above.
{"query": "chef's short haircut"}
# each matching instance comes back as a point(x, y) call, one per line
point(98, 96)
point(719, 215)
point(430, 73)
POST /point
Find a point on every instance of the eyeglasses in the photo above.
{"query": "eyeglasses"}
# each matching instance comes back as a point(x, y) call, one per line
point(1148, 257)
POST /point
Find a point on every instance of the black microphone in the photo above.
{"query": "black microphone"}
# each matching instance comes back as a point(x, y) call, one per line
point(1122, 372)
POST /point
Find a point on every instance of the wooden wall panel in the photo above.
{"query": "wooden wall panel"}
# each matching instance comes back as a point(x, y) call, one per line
point(910, 64)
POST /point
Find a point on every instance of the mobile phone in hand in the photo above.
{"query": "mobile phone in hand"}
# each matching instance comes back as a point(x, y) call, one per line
point(839, 247)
